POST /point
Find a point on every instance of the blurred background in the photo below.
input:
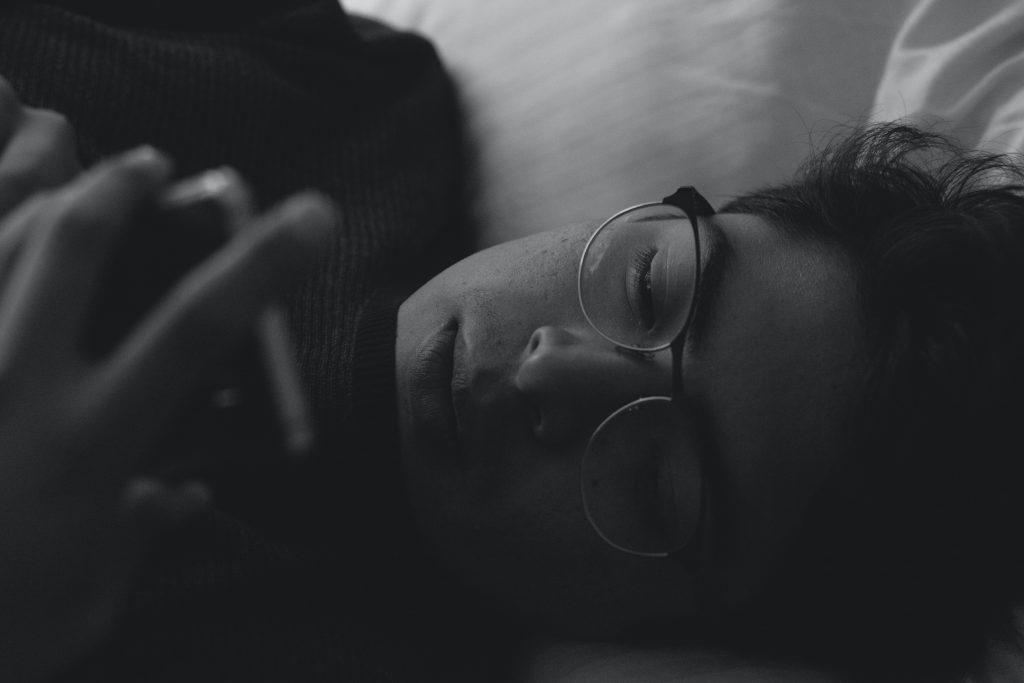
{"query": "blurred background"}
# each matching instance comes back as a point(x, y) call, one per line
point(578, 108)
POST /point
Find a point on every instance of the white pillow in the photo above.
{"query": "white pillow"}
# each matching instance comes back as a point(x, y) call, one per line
point(577, 108)
point(960, 65)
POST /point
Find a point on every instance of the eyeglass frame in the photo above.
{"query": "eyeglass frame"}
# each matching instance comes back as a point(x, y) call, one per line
point(688, 200)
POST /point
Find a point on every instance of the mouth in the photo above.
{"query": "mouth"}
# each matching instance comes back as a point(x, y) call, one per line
point(430, 388)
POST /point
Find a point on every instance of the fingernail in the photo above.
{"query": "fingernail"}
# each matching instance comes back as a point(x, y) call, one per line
point(215, 181)
point(144, 155)
point(207, 184)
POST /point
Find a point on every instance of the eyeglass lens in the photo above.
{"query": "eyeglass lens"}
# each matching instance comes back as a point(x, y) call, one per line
point(637, 277)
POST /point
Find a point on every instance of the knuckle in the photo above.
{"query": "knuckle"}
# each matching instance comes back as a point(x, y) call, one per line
point(74, 228)
point(130, 176)
point(82, 214)
point(58, 161)
point(57, 128)
point(53, 119)
point(47, 165)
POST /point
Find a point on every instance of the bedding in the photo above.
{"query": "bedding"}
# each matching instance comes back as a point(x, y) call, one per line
point(959, 67)
point(578, 108)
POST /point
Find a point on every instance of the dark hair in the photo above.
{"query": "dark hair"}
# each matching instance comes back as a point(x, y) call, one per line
point(914, 553)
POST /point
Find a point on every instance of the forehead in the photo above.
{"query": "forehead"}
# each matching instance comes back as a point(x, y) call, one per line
point(776, 374)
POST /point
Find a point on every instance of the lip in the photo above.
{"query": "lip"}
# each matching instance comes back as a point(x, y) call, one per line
point(430, 388)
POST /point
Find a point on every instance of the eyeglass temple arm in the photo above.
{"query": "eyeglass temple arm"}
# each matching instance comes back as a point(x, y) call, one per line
point(693, 203)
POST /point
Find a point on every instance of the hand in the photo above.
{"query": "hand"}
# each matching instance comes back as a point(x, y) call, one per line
point(74, 431)
point(38, 150)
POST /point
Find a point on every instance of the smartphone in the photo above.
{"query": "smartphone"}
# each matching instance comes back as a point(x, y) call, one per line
point(250, 408)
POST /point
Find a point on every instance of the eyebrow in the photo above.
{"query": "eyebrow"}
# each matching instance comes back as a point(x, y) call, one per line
point(719, 255)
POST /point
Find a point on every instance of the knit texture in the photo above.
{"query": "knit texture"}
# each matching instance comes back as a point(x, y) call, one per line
point(294, 577)
point(302, 98)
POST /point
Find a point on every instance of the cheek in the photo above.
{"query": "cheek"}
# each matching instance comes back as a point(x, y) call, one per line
point(527, 549)
point(508, 529)
point(518, 504)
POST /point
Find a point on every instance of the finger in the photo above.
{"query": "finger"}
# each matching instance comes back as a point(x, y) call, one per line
point(40, 155)
point(15, 228)
point(52, 285)
point(210, 310)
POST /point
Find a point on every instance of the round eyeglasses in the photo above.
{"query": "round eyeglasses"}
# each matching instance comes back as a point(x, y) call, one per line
point(641, 477)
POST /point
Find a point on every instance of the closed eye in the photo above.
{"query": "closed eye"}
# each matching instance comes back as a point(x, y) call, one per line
point(641, 296)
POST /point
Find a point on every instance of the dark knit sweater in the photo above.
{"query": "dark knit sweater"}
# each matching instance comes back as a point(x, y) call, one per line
point(298, 98)
point(310, 573)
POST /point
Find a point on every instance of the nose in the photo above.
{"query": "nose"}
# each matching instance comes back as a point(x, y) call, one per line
point(574, 380)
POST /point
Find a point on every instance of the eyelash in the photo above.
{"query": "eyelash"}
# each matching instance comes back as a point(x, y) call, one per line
point(641, 284)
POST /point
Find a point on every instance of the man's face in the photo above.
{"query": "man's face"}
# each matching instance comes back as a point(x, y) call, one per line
point(502, 381)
